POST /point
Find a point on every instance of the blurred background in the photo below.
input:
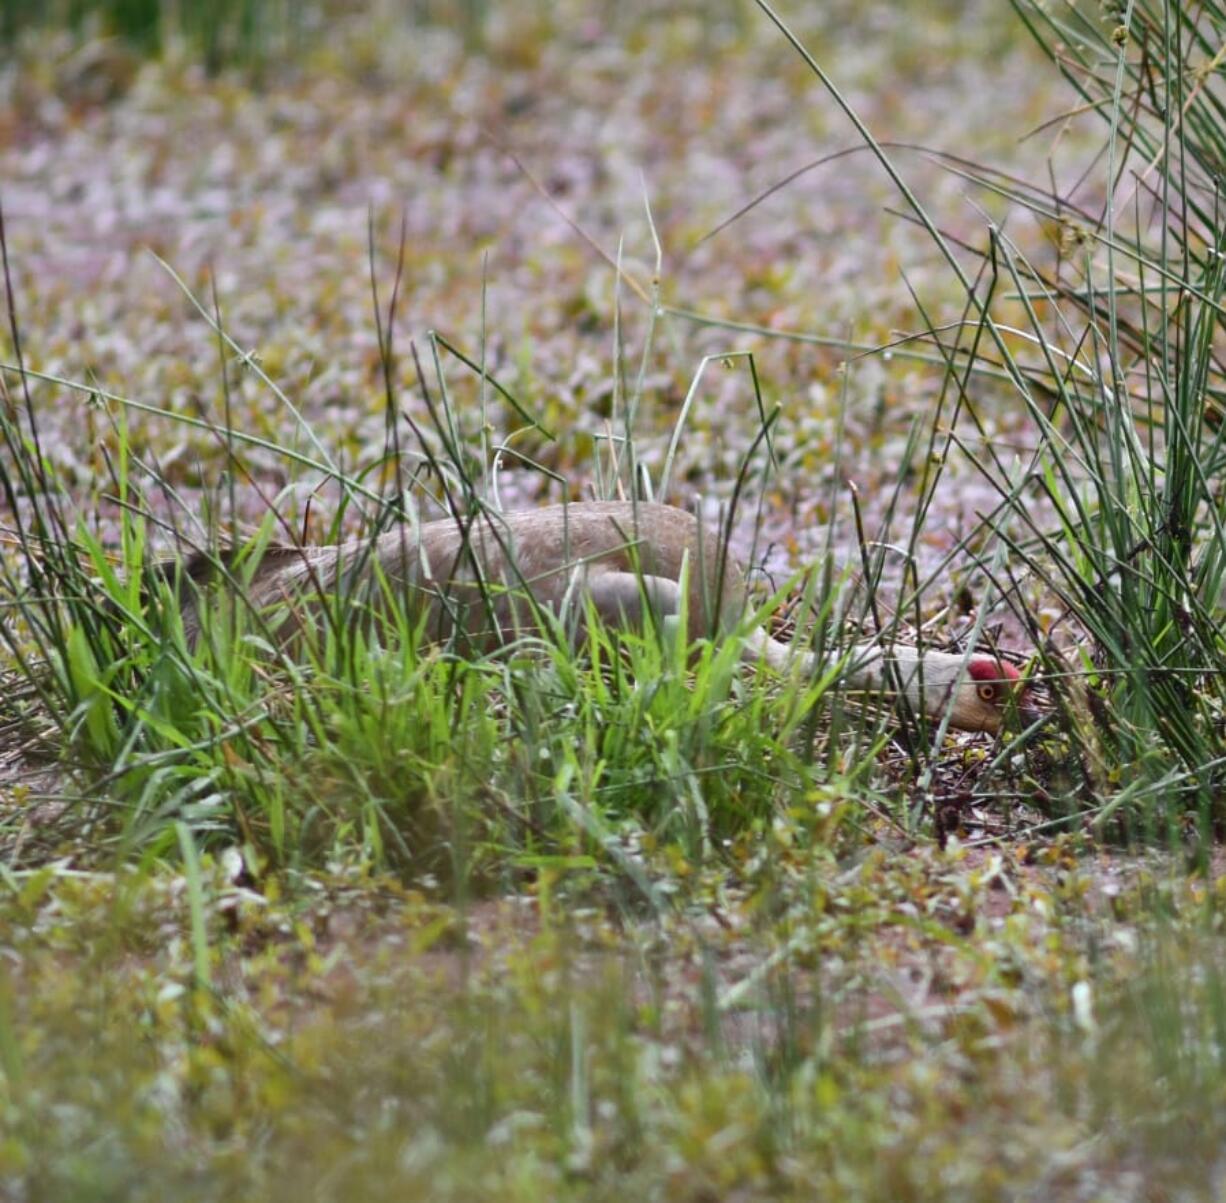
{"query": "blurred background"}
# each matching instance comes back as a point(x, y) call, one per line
point(272, 154)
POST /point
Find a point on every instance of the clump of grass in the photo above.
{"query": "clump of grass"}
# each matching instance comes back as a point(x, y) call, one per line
point(1124, 332)
point(1115, 352)
point(456, 764)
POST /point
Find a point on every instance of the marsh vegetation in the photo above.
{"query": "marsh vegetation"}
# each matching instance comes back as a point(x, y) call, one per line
point(920, 304)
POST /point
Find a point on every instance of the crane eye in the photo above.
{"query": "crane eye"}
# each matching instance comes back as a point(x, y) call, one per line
point(987, 692)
